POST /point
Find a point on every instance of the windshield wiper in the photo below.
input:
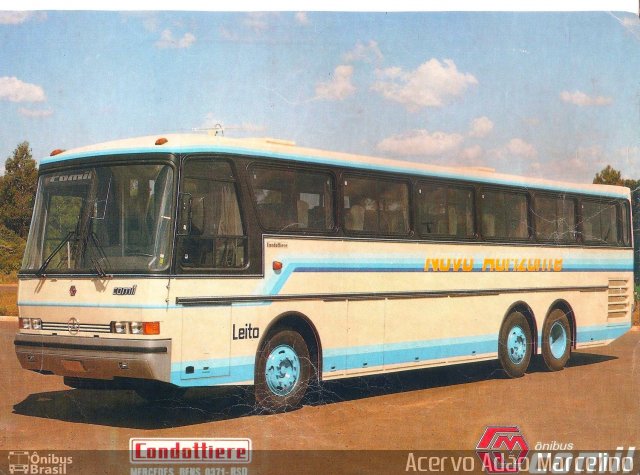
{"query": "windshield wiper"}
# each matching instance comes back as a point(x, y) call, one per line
point(47, 261)
point(97, 263)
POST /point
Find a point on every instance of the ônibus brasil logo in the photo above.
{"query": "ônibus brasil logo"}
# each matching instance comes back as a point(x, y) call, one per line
point(502, 450)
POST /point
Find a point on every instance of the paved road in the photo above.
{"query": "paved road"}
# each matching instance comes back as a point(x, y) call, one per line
point(593, 404)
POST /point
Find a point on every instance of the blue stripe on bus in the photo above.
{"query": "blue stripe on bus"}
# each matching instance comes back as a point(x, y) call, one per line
point(274, 284)
point(605, 332)
point(319, 160)
point(242, 369)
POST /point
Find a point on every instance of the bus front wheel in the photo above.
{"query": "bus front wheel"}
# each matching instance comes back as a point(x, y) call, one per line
point(515, 345)
point(556, 340)
point(283, 372)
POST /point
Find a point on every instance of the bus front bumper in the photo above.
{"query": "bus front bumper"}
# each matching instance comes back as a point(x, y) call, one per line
point(85, 357)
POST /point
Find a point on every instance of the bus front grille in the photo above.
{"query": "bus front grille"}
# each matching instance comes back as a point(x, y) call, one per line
point(81, 327)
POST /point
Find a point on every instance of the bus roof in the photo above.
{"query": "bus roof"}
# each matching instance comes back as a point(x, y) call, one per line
point(288, 151)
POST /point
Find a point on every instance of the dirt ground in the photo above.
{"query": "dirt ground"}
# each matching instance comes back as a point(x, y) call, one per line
point(593, 403)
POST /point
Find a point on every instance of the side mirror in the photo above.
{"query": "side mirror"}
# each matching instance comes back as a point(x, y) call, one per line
point(184, 216)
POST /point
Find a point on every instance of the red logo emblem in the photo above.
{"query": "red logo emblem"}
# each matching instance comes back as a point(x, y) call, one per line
point(502, 450)
point(72, 290)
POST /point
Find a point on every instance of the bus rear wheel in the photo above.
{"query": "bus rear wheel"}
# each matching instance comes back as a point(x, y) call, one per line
point(556, 340)
point(283, 372)
point(515, 345)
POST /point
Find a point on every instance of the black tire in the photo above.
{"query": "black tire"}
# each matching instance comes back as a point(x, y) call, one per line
point(277, 389)
point(556, 340)
point(515, 345)
point(155, 391)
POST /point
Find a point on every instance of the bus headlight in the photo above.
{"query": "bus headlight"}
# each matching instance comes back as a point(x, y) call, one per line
point(136, 328)
point(36, 324)
point(24, 323)
point(119, 327)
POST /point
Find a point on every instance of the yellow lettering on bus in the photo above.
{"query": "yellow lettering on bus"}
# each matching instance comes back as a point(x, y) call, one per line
point(493, 265)
point(467, 265)
point(488, 264)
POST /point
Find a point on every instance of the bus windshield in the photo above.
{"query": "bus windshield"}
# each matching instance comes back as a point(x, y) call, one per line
point(102, 220)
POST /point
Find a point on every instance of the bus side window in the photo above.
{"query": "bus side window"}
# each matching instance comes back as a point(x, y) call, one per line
point(504, 215)
point(555, 218)
point(623, 210)
point(376, 206)
point(216, 238)
point(599, 222)
point(292, 200)
point(445, 210)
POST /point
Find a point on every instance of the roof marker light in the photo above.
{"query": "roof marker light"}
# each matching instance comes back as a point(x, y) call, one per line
point(161, 141)
point(277, 266)
point(55, 152)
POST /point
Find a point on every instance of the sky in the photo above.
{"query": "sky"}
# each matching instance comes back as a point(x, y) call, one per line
point(553, 95)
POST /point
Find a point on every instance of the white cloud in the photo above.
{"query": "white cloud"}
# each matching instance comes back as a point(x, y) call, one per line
point(471, 155)
point(580, 166)
point(302, 18)
point(579, 98)
point(15, 18)
point(167, 40)
point(521, 148)
point(420, 143)
point(515, 148)
point(368, 53)
point(480, 127)
point(14, 90)
point(339, 87)
point(35, 113)
point(432, 84)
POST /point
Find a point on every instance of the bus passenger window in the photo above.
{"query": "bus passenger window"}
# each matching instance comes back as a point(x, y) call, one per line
point(504, 215)
point(293, 200)
point(599, 222)
point(445, 210)
point(555, 218)
point(376, 206)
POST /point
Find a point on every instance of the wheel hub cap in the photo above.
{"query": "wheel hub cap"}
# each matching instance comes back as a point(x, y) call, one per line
point(557, 340)
point(282, 370)
point(517, 344)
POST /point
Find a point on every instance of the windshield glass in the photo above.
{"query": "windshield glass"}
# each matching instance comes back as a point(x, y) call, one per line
point(102, 220)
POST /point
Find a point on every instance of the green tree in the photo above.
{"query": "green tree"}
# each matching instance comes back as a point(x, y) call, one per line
point(609, 176)
point(11, 251)
point(18, 189)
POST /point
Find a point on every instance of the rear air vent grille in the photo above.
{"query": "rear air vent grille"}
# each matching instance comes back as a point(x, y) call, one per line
point(618, 304)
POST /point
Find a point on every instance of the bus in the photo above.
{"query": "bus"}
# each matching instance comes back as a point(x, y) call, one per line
point(185, 260)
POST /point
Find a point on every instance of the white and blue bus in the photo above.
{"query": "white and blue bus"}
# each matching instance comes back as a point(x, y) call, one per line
point(197, 260)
